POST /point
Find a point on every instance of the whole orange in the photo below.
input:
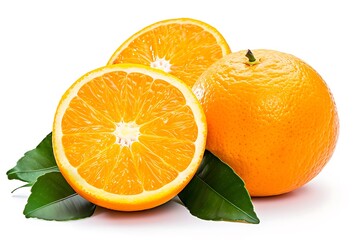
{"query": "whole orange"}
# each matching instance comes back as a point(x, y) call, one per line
point(272, 119)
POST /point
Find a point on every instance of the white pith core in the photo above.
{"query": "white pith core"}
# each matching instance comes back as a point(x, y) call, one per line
point(162, 64)
point(126, 133)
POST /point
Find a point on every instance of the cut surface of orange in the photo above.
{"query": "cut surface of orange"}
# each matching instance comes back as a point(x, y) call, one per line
point(183, 47)
point(128, 137)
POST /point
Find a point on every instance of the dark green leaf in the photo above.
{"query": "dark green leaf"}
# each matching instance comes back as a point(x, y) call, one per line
point(52, 198)
point(35, 162)
point(217, 193)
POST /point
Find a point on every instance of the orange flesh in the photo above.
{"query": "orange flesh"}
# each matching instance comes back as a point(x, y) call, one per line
point(133, 134)
point(187, 49)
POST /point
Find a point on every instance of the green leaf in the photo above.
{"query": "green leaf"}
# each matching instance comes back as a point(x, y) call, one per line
point(35, 162)
point(217, 193)
point(52, 198)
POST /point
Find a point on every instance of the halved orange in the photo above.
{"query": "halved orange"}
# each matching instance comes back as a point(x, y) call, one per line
point(128, 137)
point(183, 47)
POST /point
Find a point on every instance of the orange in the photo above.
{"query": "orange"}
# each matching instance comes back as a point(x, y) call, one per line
point(183, 47)
point(273, 120)
point(128, 137)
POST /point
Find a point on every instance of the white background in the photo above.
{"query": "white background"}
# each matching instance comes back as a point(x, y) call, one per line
point(46, 45)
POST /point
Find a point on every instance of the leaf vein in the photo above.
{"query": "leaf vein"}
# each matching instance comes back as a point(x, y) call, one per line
point(35, 170)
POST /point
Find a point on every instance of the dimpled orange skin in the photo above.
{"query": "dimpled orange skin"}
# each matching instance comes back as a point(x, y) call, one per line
point(274, 122)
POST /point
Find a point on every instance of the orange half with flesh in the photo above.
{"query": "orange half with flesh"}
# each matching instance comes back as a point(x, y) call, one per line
point(183, 47)
point(128, 137)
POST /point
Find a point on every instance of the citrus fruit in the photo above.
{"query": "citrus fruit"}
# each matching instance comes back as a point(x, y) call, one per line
point(270, 116)
point(183, 47)
point(128, 137)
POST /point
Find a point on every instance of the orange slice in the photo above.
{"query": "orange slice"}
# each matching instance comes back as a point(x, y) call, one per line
point(128, 137)
point(183, 47)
